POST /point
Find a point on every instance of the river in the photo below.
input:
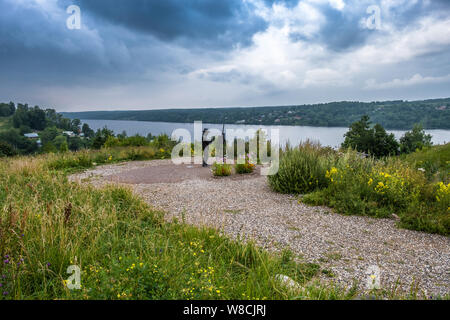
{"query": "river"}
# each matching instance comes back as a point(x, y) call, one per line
point(332, 137)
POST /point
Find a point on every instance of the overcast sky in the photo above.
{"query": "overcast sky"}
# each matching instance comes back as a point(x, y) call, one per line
point(155, 54)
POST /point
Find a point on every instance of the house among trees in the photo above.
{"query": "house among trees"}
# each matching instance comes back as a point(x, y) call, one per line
point(69, 133)
point(33, 135)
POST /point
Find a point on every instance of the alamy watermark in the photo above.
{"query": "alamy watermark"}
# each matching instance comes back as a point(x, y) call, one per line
point(73, 22)
point(230, 146)
point(74, 281)
point(373, 22)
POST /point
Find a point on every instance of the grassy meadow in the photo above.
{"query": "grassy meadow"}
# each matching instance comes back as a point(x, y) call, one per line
point(124, 248)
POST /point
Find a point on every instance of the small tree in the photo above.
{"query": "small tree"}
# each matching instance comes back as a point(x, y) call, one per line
point(360, 136)
point(415, 139)
point(59, 141)
point(6, 150)
point(87, 131)
point(64, 147)
point(101, 136)
point(384, 144)
point(374, 141)
point(49, 147)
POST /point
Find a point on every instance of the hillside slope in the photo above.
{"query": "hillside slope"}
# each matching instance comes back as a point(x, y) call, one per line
point(432, 114)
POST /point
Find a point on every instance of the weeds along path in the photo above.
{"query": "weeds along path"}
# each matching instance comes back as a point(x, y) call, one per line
point(245, 207)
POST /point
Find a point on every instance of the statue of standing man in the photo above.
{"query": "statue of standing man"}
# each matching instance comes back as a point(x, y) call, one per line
point(205, 144)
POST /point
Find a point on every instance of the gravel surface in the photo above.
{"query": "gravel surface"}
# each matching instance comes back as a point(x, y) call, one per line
point(245, 206)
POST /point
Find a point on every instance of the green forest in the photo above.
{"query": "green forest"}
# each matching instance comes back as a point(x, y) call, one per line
point(401, 115)
point(26, 130)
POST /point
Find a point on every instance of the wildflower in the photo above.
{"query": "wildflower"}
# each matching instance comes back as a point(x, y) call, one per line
point(331, 173)
point(6, 261)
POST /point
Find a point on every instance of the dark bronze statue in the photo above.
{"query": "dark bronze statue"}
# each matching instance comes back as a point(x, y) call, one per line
point(205, 144)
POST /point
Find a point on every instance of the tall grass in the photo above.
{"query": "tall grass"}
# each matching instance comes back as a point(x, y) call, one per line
point(435, 161)
point(366, 186)
point(125, 248)
point(88, 158)
point(302, 169)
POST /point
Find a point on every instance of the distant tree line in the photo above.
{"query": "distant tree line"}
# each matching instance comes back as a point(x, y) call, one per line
point(401, 115)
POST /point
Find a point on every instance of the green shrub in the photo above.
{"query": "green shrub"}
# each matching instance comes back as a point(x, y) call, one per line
point(221, 170)
point(434, 160)
point(6, 150)
point(302, 170)
point(244, 168)
point(381, 188)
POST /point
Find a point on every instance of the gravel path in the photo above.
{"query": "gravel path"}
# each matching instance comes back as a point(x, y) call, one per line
point(245, 206)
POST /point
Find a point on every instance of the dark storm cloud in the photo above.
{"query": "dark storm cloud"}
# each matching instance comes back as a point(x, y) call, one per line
point(228, 76)
point(287, 3)
point(36, 47)
point(156, 44)
point(344, 29)
point(217, 24)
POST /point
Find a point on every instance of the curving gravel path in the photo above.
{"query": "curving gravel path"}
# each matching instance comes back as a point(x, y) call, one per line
point(244, 206)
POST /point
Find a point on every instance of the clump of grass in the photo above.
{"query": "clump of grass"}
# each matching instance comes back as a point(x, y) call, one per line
point(124, 248)
point(435, 161)
point(221, 170)
point(244, 168)
point(302, 169)
point(88, 158)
